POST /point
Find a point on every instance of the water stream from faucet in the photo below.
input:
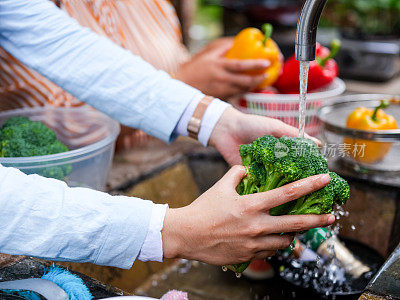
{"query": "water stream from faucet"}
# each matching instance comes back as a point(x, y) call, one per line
point(304, 67)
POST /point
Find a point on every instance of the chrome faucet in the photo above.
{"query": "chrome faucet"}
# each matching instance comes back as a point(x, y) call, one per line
point(306, 36)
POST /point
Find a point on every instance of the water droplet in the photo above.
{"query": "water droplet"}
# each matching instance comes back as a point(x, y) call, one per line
point(238, 275)
point(224, 268)
point(195, 263)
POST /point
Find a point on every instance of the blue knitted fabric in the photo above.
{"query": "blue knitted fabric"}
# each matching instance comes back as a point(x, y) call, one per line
point(70, 283)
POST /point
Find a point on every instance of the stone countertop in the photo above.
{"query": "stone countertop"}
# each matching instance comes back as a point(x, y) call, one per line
point(133, 166)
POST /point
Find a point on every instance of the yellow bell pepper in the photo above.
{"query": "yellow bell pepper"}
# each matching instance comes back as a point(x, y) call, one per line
point(251, 43)
point(370, 120)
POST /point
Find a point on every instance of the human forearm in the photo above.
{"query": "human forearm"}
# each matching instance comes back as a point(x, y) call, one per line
point(47, 219)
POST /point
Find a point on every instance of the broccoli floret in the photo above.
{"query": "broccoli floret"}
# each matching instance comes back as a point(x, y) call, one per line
point(21, 137)
point(245, 154)
point(341, 188)
point(273, 162)
point(255, 178)
point(281, 161)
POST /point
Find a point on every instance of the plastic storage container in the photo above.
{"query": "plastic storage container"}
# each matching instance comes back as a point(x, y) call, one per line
point(285, 107)
point(90, 136)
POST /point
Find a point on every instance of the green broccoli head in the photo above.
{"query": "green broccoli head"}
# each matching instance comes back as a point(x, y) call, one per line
point(284, 160)
point(21, 137)
point(273, 162)
point(263, 149)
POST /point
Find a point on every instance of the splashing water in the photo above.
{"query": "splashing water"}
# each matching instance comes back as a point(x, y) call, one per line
point(340, 212)
point(323, 275)
point(325, 278)
point(304, 67)
point(184, 266)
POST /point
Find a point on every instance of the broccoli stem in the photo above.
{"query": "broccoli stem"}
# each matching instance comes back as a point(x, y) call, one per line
point(305, 206)
point(272, 182)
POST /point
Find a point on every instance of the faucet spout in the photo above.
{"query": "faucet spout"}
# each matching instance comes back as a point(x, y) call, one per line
point(307, 25)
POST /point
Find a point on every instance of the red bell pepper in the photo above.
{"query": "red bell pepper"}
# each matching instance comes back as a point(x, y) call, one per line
point(322, 71)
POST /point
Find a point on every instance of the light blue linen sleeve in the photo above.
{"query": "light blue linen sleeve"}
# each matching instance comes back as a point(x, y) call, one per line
point(92, 68)
point(45, 218)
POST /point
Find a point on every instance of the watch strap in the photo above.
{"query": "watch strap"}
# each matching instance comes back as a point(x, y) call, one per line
point(197, 117)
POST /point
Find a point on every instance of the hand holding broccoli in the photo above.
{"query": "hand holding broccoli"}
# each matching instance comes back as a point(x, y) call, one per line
point(221, 227)
point(272, 163)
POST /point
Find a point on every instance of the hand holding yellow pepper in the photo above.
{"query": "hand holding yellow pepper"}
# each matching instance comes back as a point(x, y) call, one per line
point(251, 43)
point(371, 120)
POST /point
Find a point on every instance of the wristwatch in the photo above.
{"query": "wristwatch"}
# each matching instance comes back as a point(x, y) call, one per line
point(195, 122)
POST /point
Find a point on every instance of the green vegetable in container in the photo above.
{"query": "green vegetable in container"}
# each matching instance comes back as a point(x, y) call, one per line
point(21, 137)
point(272, 163)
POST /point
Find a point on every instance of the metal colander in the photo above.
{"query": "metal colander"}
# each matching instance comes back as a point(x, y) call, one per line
point(335, 134)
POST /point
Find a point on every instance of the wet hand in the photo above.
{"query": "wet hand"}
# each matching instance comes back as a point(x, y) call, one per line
point(221, 227)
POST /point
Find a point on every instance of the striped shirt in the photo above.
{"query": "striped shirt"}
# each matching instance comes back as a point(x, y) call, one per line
point(149, 28)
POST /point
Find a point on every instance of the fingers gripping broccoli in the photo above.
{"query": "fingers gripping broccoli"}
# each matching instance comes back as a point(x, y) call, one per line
point(21, 137)
point(272, 163)
point(322, 201)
